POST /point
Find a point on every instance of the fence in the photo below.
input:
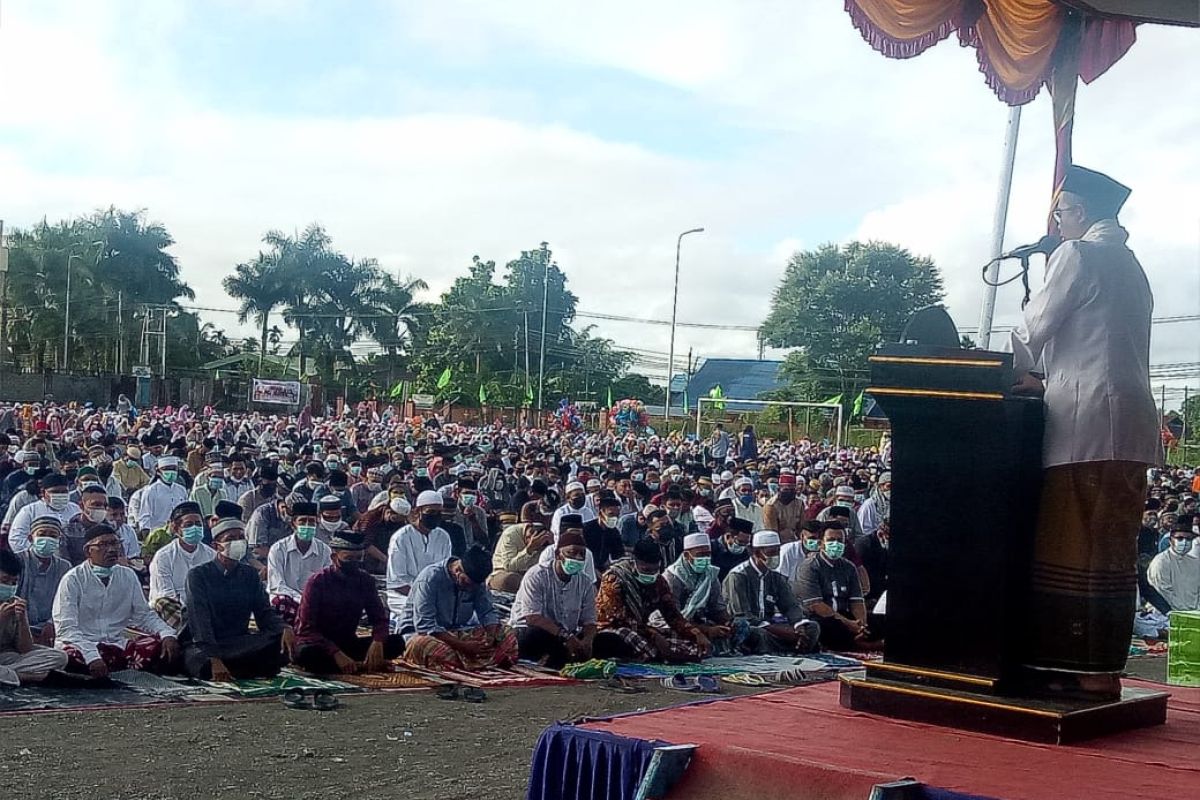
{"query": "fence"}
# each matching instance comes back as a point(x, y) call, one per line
point(35, 387)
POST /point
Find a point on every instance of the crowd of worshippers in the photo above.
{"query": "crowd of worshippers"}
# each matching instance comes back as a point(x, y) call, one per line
point(153, 539)
point(1168, 554)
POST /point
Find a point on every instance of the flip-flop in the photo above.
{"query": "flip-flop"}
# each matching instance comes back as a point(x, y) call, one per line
point(745, 679)
point(324, 700)
point(473, 694)
point(294, 698)
point(708, 684)
point(681, 683)
point(621, 686)
point(448, 691)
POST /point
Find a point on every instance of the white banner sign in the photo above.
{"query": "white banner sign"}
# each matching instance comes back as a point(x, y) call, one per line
point(423, 400)
point(285, 393)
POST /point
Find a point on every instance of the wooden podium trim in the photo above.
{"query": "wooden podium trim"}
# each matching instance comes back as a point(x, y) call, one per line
point(952, 677)
point(971, 701)
point(957, 362)
point(944, 393)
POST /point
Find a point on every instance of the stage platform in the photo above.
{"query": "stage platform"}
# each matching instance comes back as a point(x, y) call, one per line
point(800, 743)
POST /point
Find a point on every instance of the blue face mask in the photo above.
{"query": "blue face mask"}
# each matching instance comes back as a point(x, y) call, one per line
point(103, 573)
point(7, 591)
point(193, 534)
point(646, 579)
point(746, 499)
point(835, 549)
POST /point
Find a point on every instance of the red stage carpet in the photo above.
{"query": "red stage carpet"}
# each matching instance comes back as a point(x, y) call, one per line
point(799, 743)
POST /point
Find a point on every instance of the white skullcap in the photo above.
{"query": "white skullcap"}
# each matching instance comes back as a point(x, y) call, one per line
point(573, 485)
point(845, 491)
point(594, 483)
point(765, 539)
point(400, 506)
point(429, 498)
point(167, 461)
point(696, 540)
point(743, 481)
point(726, 475)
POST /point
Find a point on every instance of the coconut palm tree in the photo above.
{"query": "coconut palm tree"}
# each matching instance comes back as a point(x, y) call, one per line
point(261, 288)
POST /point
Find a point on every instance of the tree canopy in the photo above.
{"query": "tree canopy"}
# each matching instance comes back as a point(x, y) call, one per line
point(835, 304)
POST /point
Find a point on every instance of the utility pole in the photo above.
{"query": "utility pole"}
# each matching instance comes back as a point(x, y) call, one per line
point(674, 309)
point(526, 356)
point(545, 297)
point(3, 299)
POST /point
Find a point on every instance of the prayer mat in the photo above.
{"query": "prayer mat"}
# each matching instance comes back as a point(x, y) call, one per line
point(728, 665)
point(493, 677)
point(391, 681)
point(153, 685)
point(283, 682)
point(80, 697)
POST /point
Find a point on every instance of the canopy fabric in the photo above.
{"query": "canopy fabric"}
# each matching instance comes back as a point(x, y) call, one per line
point(1017, 42)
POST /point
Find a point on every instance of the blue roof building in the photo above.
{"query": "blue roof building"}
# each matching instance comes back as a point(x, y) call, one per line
point(746, 378)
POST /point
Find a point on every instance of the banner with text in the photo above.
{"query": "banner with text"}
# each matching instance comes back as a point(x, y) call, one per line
point(285, 393)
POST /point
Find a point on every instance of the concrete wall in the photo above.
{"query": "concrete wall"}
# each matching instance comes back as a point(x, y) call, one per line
point(101, 389)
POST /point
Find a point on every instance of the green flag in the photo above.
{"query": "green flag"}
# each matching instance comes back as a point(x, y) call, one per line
point(397, 390)
point(529, 395)
point(858, 404)
point(837, 398)
point(717, 393)
point(482, 395)
point(610, 402)
point(685, 400)
point(444, 380)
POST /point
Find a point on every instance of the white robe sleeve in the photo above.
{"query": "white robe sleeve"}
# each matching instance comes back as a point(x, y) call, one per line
point(1067, 288)
point(66, 618)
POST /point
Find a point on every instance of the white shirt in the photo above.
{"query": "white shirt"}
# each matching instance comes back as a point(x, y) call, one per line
point(1177, 579)
point(169, 569)
point(585, 513)
point(157, 502)
point(288, 570)
point(88, 613)
point(18, 534)
point(791, 556)
point(129, 541)
point(409, 552)
point(752, 512)
point(234, 489)
point(546, 558)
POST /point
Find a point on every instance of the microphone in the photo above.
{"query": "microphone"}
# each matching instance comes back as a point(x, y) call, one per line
point(1044, 245)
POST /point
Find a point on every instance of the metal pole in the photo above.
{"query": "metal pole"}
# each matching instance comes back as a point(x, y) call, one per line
point(164, 345)
point(120, 337)
point(998, 224)
point(526, 357)
point(542, 355)
point(67, 317)
point(1183, 434)
point(3, 299)
point(674, 310)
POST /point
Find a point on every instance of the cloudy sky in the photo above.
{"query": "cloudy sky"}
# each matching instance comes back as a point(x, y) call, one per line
point(425, 133)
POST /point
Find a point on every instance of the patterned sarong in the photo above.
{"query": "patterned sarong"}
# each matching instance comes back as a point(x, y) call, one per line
point(171, 611)
point(639, 648)
point(428, 652)
point(286, 607)
point(1084, 585)
point(142, 652)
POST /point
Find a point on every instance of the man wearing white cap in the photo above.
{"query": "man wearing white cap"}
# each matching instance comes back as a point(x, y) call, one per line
point(696, 585)
point(576, 504)
point(757, 593)
point(745, 505)
point(415, 547)
point(843, 497)
point(160, 498)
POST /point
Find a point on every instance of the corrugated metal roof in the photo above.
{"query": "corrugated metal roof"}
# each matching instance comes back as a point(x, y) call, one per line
point(747, 378)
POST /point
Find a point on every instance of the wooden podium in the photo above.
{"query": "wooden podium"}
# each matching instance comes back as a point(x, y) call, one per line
point(966, 477)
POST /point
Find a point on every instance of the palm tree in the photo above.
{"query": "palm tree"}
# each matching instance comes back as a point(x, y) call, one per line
point(260, 287)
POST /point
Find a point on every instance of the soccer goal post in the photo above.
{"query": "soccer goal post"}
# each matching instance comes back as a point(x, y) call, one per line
point(723, 401)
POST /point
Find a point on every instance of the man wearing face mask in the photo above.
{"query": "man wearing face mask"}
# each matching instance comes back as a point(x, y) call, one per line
point(331, 512)
point(28, 468)
point(222, 594)
point(1175, 572)
point(93, 509)
point(554, 613)
point(170, 565)
point(630, 592)
point(41, 572)
point(731, 547)
point(793, 554)
point(416, 546)
point(696, 586)
point(332, 603)
point(296, 558)
point(450, 621)
point(601, 535)
point(237, 479)
point(576, 504)
point(829, 588)
point(745, 505)
point(757, 593)
point(468, 515)
point(783, 513)
point(267, 491)
point(159, 499)
point(210, 486)
point(22, 659)
point(878, 507)
point(96, 602)
point(54, 503)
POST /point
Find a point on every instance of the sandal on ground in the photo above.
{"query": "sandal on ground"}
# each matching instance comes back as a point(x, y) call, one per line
point(448, 692)
point(294, 698)
point(621, 686)
point(324, 700)
point(473, 694)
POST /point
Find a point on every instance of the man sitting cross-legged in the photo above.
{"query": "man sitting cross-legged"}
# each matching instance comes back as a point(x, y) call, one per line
point(222, 595)
point(42, 571)
point(170, 566)
point(332, 603)
point(828, 586)
point(695, 584)
point(292, 561)
point(96, 602)
point(451, 620)
point(756, 593)
point(630, 592)
point(555, 610)
point(21, 661)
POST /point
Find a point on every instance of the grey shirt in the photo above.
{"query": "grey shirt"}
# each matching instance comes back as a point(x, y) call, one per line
point(38, 585)
point(758, 596)
point(570, 603)
point(835, 582)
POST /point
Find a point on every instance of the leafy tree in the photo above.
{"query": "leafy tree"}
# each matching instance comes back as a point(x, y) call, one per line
point(835, 304)
point(258, 285)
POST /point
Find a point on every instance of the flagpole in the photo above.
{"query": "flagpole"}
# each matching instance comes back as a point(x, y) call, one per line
point(999, 222)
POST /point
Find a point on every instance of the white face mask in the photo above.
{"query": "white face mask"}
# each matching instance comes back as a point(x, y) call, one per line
point(97, 514)
point(58, 501)
point(330, 525)
point(235, 550)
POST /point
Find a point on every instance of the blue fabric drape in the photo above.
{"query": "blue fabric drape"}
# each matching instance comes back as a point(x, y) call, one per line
point(571, 763)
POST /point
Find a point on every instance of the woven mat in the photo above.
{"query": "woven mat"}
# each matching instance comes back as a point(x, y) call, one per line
point(492, 678)
point(391, 681)
point(286, 680)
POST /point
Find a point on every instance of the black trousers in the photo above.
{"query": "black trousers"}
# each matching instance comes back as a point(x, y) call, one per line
point(534, 644)
point(317, 660)
point(251, 655)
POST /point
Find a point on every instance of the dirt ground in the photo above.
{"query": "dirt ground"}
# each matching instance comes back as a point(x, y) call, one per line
point(408, 745)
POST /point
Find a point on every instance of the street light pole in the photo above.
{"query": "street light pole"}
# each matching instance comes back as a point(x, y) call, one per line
point(545, 297)
point(674, 309)
point(67, 315)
